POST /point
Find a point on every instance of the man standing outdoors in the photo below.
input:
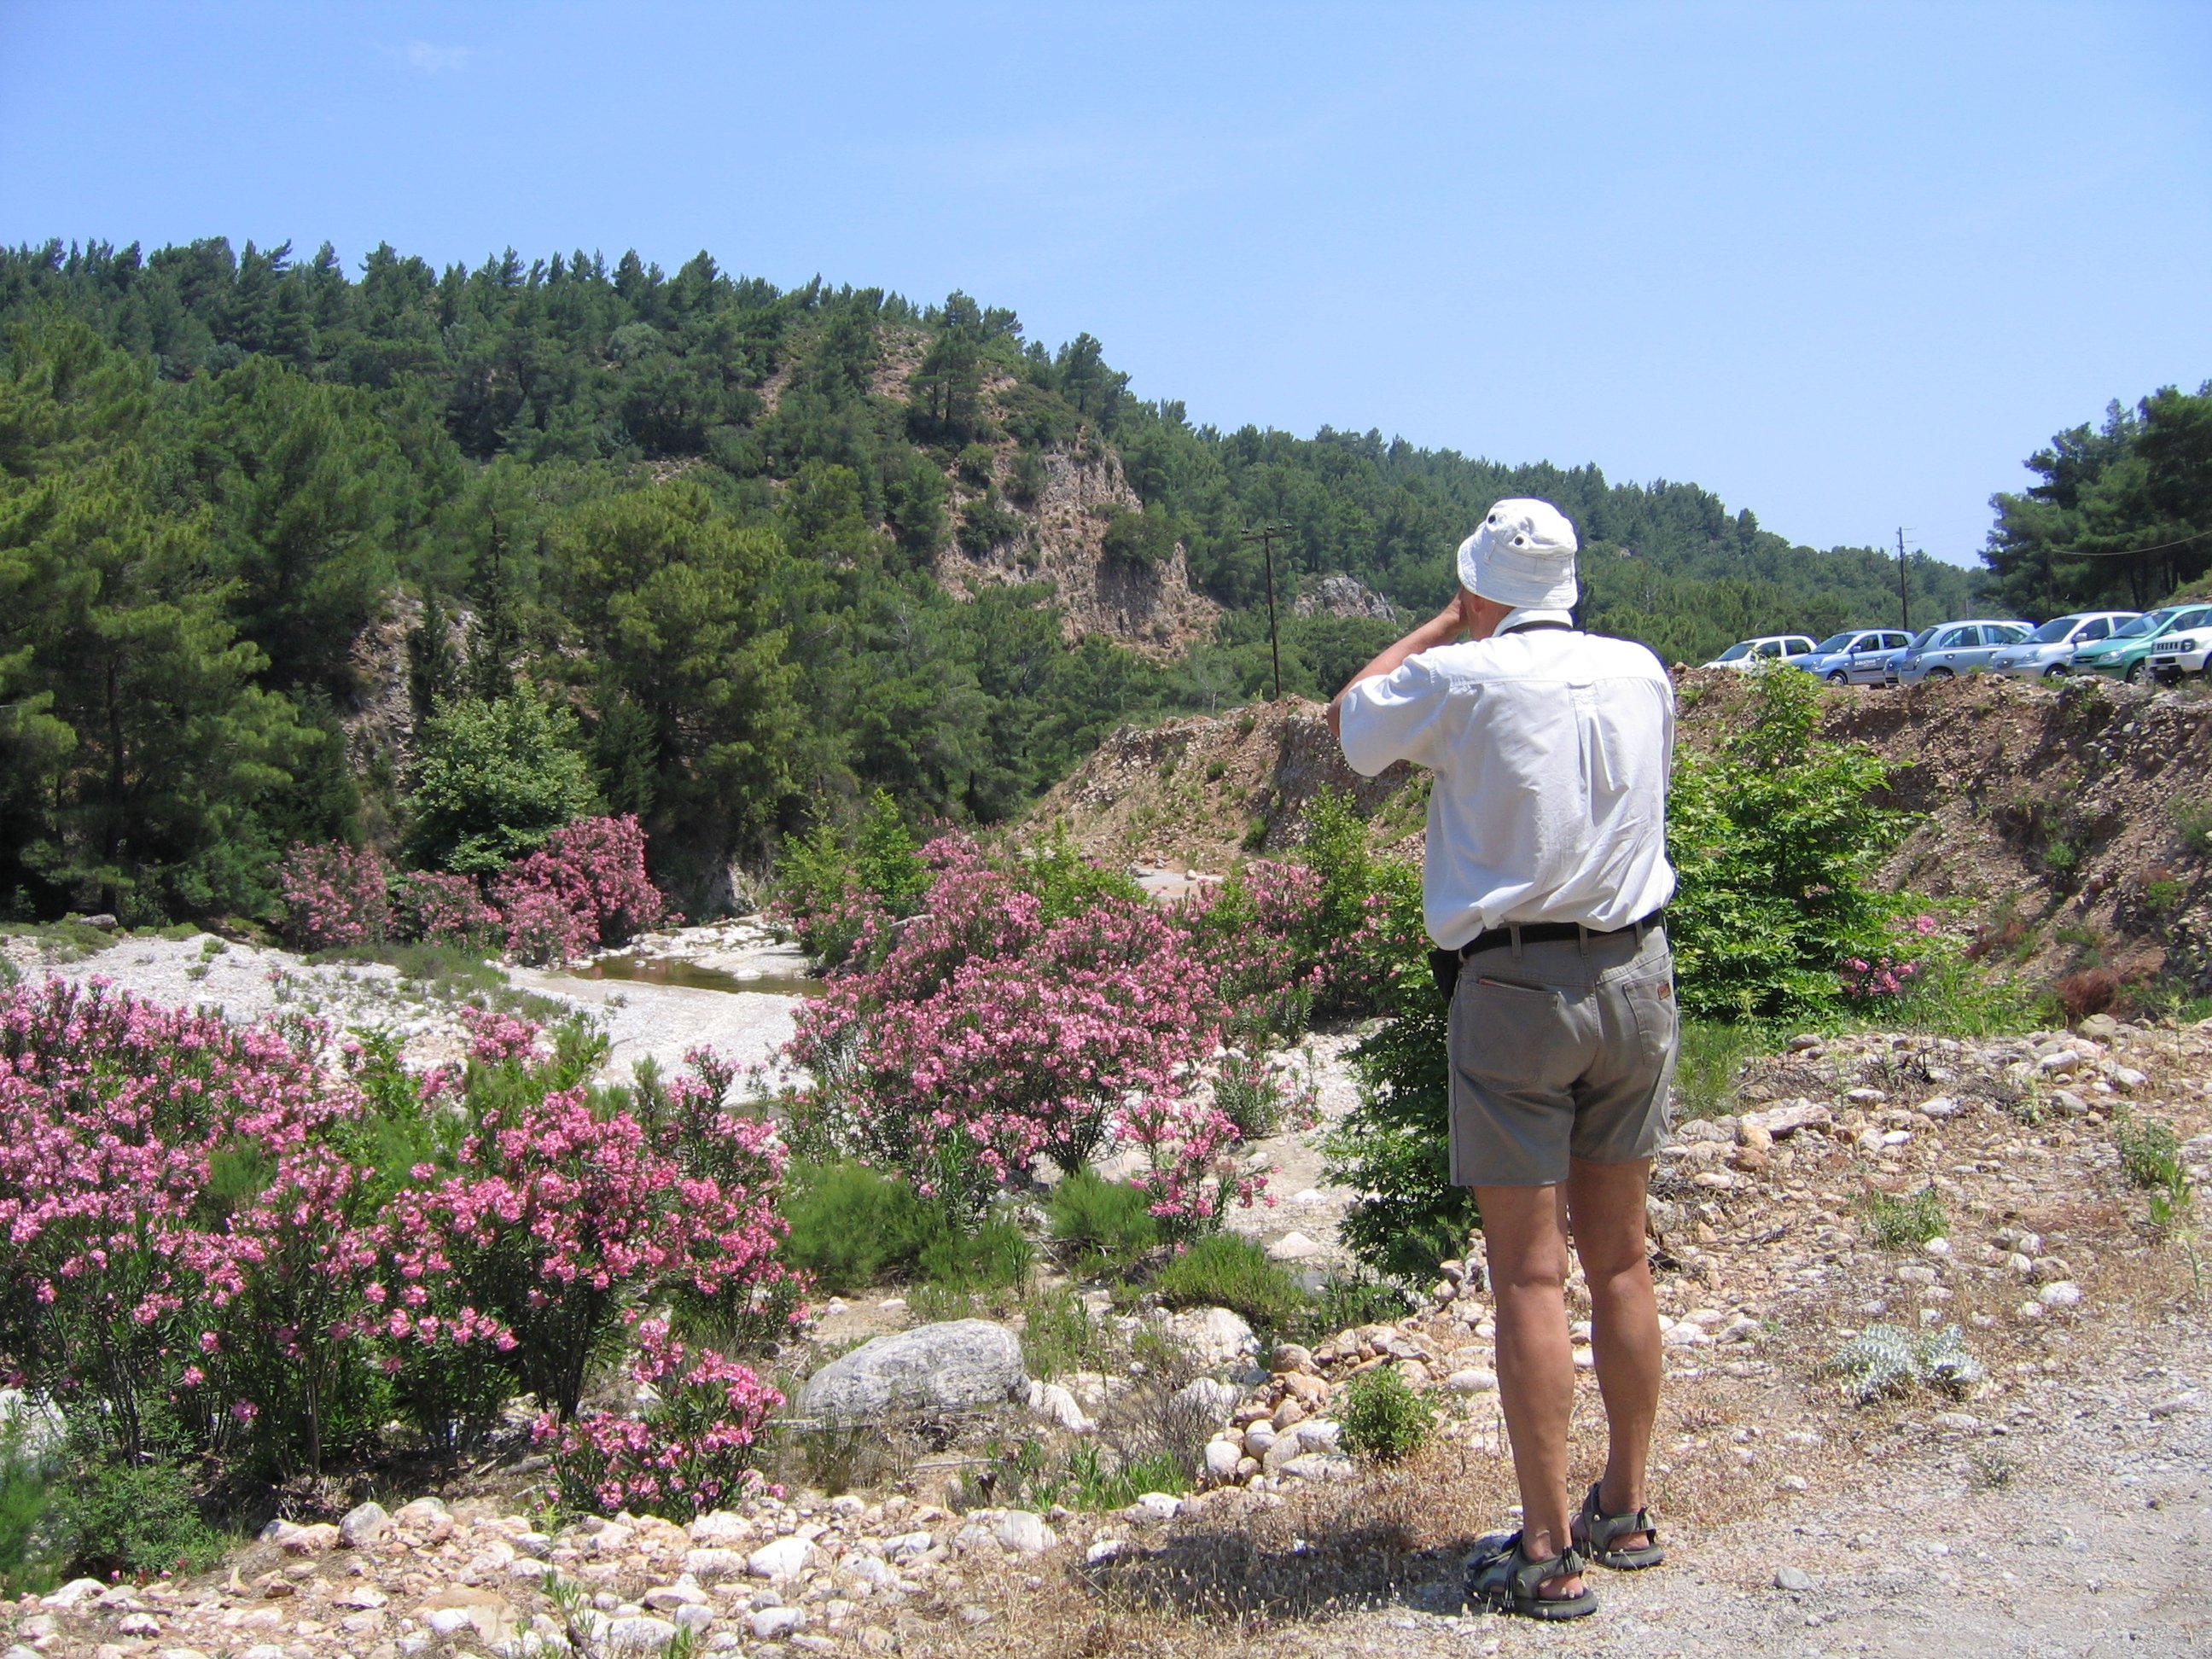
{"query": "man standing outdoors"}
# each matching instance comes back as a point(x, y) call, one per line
point(1544, 876)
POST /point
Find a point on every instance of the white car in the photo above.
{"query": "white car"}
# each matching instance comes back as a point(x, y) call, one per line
point(1767, 649)
point(2184, 650)
point(1854, 657)
point(2045, 654)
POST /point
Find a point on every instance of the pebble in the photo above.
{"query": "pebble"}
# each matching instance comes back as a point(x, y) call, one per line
point(1792, 1578)
point(784, 1558)
point(770, 1623)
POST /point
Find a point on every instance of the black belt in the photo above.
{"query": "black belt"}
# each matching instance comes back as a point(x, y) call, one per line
point(1539, 932)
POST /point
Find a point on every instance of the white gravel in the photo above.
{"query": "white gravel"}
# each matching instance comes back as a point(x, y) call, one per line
point(641, 1019)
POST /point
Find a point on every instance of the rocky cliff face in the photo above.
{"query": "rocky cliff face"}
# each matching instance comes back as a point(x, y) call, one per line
point(1152, 610)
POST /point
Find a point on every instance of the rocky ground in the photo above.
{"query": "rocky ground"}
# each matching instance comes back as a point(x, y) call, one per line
point(2056, 1501)
point(641, 1017)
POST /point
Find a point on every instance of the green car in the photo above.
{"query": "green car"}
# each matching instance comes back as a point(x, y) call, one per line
point(2126, 655)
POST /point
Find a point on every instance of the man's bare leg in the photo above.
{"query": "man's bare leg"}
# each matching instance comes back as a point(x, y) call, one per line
point(1525, 1243)
point(1606, 1204)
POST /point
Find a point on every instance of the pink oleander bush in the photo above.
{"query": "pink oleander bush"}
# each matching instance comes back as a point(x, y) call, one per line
point(443, 909)
point(215, 1246)
point(587, 887)
point(594, 871)
point(334, 895)
point(989, 1034)
point(692, 1451)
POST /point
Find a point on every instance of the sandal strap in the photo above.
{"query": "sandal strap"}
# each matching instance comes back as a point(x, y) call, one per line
point(1600, 1529)
point(1530, 1578)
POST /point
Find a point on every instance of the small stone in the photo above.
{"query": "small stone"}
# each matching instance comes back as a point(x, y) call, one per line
point(77, 1590)
point(709, 1566)
point(137, 1623)
point(1795, 1579)
point(785, 1558)
point(875, 1638)
point(639, 1634)
point(421, 1513)
point(719, 1529)
point(361, 1595)
point(1104, 1549)
point(1293, 1247)
point(2061, 1293)
point(1937, 1247)
point(2049, 1269)
point(1938, 1106)
point(259, 1650)
point(2100, 1028)
point(2180, 1405)
point(364, 1525)
point(683, 1593)
point(770, 1623)
point(1472, 1380)
point(1791, 1483)
point(1159, 1505)
point(1222, 1457)
point(1025, 1533)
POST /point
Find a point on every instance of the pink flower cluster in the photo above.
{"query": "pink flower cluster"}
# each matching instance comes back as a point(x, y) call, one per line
point(692, 1452)
point(443, 909)
point(334, 895)
point(988, 1038)
point(1866, 979)
point(586, 887)
point(203, 1225)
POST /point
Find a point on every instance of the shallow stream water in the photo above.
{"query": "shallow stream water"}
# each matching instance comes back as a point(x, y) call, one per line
point(667, 970)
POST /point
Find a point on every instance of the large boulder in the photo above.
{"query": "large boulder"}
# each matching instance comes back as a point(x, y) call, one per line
point(955, 1366)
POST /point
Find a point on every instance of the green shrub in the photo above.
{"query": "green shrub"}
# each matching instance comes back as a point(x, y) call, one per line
point(2150, 1152)
point(1393, 1147)
point(1776, 839)
point(493, 779)
point(1106, 1223)
point(1383, 1417)
point(112, 1517)
point(1226, 1270)
point(1097, 1486)
point(1065, 882)
point(26, 1488)
point(1059, 1335)
point(995, 1254)
point(1345, 1302)
point(1896, 1224)
point(851, 1227)
point(1713, 1055)
point(2193, 822)
point(819, 875)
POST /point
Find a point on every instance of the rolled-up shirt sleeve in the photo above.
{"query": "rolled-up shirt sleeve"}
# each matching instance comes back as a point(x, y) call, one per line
point(1393, 717)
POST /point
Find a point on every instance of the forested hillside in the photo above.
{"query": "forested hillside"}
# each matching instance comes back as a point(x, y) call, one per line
point(267, 528)
point(2121, 514)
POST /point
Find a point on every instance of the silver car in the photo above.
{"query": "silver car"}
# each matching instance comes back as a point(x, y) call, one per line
point(2045, 654)
point(1854, 657)
point(1952, 648)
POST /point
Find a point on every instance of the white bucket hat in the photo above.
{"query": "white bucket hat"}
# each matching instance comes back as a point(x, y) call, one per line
point(1523, 556)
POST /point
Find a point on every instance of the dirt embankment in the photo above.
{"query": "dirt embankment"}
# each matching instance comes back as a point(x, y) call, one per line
point(2075, 821)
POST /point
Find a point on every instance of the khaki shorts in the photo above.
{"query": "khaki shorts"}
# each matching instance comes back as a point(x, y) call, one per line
point(1564, 1048)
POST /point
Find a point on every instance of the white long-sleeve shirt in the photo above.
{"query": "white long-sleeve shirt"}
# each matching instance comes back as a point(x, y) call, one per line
point(1551, 751)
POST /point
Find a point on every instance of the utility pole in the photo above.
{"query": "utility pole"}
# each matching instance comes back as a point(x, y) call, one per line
point(1265, 535)
point(1904, 594)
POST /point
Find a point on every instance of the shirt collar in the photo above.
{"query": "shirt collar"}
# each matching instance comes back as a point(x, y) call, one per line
point(1528, 617)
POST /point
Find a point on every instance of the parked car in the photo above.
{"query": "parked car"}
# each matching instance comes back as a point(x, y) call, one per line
point(1952, 648)
point(1768, 647)
point(1854, 656)
point(2184, 649)
point(2126, 654)
point(2049, 652)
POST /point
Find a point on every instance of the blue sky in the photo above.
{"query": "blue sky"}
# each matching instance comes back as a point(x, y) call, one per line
point(1845, 265)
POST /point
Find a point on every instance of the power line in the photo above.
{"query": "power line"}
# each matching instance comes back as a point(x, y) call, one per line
point(2126, 552)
